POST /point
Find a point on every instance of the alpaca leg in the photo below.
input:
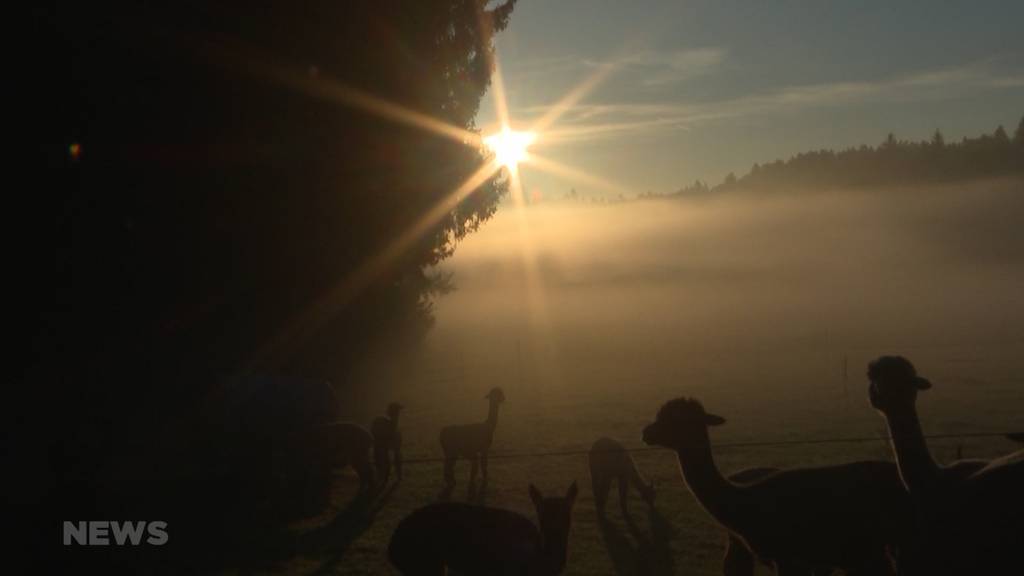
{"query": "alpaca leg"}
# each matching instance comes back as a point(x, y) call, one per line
point(738, 560)
point(601, 487)
point(474, 461)
point(483, 464)
point(380, 456)
point(449, 470)
point(366, 475)
point(624, 494)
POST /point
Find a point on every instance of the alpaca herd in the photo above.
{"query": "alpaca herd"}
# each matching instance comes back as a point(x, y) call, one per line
point(870, 517)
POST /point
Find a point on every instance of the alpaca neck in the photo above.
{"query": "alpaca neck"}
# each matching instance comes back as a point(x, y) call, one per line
point(634, 476)
point(917, 468)
point(553, 555)
point(492, 416)
point(714, 492)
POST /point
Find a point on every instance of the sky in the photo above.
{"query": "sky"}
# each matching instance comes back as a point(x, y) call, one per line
point(696, 89)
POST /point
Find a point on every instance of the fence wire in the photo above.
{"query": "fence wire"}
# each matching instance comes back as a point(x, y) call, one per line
point(1017, 436)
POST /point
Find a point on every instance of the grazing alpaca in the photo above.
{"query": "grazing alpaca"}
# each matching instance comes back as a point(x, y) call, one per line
point(349, 445)
point(970, 514)
point(471, 440)
point(387, 438)
point(472, 539)
point(844, 516)
point(610, 461)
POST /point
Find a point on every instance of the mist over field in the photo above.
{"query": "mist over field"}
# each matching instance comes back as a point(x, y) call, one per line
point(650, 280)
point(895, 262)
point(755, 294)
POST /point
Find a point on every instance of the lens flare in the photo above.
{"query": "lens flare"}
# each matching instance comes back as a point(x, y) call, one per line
point(510, 147)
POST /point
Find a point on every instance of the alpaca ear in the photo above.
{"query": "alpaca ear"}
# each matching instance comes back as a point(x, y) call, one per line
point(571, 494)
point(922, 383)
point(535, 496)
point(713, 420)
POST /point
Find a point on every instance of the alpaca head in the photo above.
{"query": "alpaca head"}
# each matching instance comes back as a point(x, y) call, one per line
point(894, 383)
point(496, 395)
point(681, 423)
point(648, 493)
point(394, 409)
point(554, 515)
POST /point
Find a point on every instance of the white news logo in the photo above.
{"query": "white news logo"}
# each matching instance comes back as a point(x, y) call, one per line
point(105, 533)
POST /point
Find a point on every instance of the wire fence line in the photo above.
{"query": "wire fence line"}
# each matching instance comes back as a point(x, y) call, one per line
point(751, 444)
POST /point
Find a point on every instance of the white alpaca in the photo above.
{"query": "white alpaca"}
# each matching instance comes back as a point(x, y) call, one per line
point(970, 518)
point(471, 440)
point(846, 516)
point(472, 539)
point(610, 461)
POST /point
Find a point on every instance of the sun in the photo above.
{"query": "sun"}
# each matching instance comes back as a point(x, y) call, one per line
point(510, 146)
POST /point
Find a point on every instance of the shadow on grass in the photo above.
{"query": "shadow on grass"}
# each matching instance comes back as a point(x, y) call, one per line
point(652, 553)
point(337, 536)
point(260, 547)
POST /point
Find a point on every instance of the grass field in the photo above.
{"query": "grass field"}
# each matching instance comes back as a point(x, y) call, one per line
point(787, 402)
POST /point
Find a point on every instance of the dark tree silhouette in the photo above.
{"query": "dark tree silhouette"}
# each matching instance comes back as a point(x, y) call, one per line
point(214, 187)
point(893, 162)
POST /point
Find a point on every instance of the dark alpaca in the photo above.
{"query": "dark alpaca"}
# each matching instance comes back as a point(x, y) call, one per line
point(387, 443)
point(970, 514)
point(472, 539)
point(349, 445)
point(609, 461)
point(846, 516)
point(471, 441)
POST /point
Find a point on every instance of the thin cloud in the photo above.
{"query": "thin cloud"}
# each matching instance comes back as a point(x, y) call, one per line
point(537, 67)
point(669, 67)
point(597, 120)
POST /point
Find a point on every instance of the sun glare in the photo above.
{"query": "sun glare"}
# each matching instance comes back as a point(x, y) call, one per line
point(510, 146)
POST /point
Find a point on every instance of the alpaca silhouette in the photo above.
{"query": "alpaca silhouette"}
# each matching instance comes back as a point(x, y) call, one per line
point(844, 516)
point(387, 439)
point(471, 440)
point(970, 515)
point(471, 539)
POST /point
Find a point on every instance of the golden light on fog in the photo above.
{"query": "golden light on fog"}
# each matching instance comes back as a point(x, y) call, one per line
point(509, 146)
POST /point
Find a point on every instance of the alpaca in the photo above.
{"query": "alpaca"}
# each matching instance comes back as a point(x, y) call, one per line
point(471, 539)
point(970, 516)
point(610, 461)
point(471, 440)
point(349, 445)
point(387, 438)
point(845, 516)
point(738, 560)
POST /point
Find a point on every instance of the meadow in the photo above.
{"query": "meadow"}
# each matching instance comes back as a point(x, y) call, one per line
point(766, 309)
